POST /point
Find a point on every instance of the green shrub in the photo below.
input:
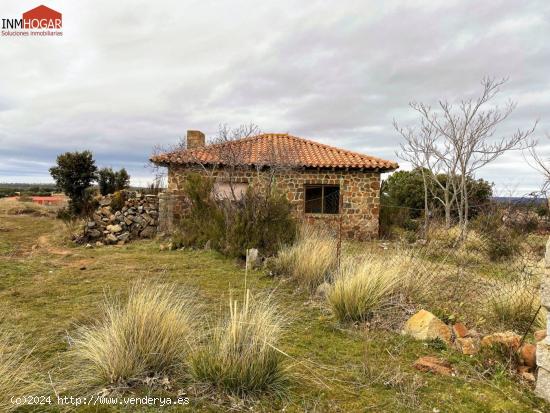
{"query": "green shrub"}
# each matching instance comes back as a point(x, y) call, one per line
point(203, 220)
point(402, 198)
point(64, 214)
point(260, 220)
point(241, 356)
point(151, 333)
point(502, 245)
point(411, 225)
point(110, 181)
point(501, 241)
point(391, 217)
point(117, 200)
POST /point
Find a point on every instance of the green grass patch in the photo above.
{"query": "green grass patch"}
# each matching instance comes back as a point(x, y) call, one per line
point(48, 291)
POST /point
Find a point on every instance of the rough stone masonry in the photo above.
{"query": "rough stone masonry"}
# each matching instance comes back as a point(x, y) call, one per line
point(360, 192)
point(137, 218)
point(543, 346)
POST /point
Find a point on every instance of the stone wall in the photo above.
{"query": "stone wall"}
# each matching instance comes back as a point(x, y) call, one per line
point(111, 224)
point(359, 192)
point(543, 346)
point(171, 206)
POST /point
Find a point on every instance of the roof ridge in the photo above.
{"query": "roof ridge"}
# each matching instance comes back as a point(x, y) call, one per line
point(334, 148)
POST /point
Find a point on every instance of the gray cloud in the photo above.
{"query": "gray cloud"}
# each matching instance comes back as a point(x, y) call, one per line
point(129, 75)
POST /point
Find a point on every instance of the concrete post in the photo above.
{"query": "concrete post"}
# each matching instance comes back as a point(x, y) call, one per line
point(543, 347)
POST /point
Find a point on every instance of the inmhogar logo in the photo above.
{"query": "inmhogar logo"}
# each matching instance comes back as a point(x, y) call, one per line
point(40, 21)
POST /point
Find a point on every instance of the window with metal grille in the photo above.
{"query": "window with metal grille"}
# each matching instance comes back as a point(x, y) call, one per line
point(322, 199)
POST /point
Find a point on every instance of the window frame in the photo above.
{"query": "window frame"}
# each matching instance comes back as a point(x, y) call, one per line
point(322, 186)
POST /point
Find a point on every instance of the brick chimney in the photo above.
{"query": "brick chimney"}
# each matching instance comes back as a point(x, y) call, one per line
point(195, 139)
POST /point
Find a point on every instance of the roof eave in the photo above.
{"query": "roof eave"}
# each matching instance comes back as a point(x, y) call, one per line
point(332, 167)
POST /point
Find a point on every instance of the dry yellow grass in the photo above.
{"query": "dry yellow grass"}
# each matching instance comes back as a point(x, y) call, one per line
point(448, 238)
point(241, 357)
point(151, 333)
point(515, 306)
point(9, 206)
point(310, 260)
point(16, 372)
point(362, 285)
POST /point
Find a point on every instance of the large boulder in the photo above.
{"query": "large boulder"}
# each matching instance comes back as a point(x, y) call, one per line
point(426, 326)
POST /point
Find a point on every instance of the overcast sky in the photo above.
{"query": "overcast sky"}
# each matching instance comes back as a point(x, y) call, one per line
point(127, 75)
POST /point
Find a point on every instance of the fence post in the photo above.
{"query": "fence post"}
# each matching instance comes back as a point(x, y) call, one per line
point(543, 347)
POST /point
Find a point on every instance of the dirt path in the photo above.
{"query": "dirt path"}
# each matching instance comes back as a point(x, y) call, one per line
point(44, 242)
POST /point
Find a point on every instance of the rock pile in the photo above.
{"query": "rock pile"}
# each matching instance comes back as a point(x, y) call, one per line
point(426, 326)
point(137, 218)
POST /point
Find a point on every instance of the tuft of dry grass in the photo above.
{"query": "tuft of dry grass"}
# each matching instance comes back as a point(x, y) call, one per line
point(450, 239)
point(240, 357)
point(515, 306)
point(362, 286)
point(16, 372)
point(72, 228)
point(152, 333)
point(311, 260)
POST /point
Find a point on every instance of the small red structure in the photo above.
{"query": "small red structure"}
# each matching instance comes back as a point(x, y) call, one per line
point(48, 200)
point(44, 200)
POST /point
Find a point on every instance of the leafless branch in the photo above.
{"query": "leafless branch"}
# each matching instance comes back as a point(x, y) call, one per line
point(459, 139)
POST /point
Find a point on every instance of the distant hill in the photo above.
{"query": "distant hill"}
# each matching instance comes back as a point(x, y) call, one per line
point(520, 200)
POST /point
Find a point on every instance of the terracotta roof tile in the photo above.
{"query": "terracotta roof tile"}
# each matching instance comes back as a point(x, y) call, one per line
point(274, 148)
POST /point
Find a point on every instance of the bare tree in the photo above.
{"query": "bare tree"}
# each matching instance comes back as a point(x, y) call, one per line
point(236, 157)
point(418, 150)
point(542, 165)
point(228, 152)
point(159, 172)
point(465, 138)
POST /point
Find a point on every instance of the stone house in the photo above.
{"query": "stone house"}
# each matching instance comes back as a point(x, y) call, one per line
point(333, 186)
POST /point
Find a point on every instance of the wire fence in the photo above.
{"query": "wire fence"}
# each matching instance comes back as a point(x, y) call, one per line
point(489, 279)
